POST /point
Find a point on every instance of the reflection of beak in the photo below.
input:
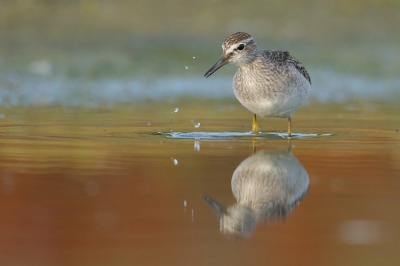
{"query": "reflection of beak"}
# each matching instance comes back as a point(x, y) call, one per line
point(218, 208)
point(220, 63)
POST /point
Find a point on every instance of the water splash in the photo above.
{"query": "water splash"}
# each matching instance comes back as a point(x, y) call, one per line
point(197, 125)
point(176, 109)
point(237, 135)
point(175, 161)
point(186, 67)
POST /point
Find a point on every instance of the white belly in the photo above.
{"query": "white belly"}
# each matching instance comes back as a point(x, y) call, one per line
point(272, 101)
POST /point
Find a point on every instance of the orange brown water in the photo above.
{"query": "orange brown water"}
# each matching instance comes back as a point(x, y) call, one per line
point(97, 187)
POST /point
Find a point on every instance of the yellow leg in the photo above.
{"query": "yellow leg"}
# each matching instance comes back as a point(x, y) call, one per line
point(289, 130)
point(255, 125)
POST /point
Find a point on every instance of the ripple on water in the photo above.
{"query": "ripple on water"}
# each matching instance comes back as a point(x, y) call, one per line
point(236, 135)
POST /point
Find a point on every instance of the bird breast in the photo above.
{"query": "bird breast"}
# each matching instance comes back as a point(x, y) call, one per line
point(269, 90)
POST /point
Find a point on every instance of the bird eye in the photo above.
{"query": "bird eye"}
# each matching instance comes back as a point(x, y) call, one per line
point(241, 46)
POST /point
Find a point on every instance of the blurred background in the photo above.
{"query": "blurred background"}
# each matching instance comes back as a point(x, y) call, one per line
point(102, 186)
point(103, 52)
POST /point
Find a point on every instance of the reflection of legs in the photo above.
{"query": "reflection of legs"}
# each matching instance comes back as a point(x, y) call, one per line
point(289, 127)
point(254, 145)
point(255, 125)
point(289, 148)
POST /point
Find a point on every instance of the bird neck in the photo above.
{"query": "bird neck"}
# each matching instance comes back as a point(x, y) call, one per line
point(252, 66)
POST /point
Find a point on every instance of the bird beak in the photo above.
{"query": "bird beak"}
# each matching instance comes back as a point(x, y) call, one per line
point(220, 63)
point(218, 208)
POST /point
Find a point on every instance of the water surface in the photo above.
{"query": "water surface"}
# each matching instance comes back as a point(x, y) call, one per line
point(83, 186)
point(110, 136)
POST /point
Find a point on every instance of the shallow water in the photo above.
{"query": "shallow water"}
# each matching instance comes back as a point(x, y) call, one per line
point(83, 186)
point(142, 181)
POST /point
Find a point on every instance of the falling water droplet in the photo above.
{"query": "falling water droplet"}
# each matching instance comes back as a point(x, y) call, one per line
point(186, 67)
point(184, 203)
point(194, 57)
point(197, 125)
point(175, 161)
point(176, 109)
point(149, 123)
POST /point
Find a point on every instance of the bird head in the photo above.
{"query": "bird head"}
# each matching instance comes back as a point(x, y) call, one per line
point(239, 49)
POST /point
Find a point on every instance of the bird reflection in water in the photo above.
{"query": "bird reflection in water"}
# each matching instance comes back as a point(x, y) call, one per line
point(267, 186)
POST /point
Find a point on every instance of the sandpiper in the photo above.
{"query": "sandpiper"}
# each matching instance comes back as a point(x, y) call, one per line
point(269, 83)
point(266, 185)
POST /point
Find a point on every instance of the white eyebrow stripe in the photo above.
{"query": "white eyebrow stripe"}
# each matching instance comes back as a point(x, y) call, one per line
point(232, 48)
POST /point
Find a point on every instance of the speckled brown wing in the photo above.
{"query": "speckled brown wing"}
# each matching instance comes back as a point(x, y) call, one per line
point(283, 57)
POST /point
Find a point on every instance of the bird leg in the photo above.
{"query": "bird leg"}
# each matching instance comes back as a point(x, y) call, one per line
point(255, 125)
point(289, 132)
